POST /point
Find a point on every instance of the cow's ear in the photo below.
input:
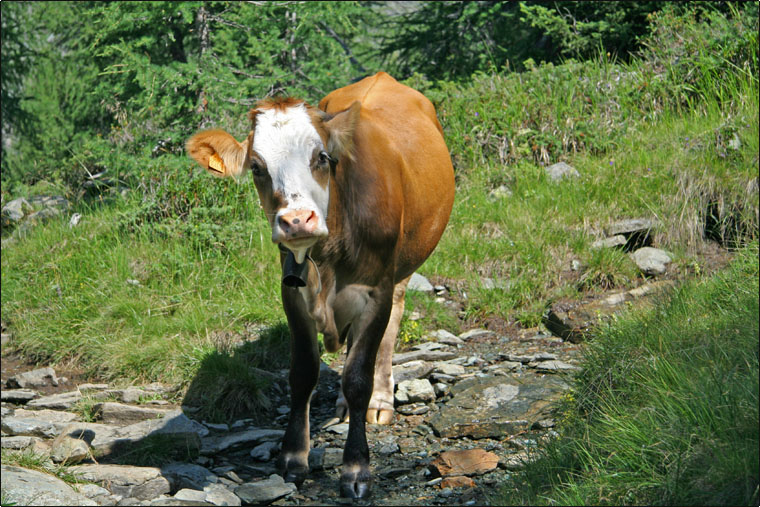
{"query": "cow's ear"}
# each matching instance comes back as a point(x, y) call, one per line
point(341, 129)
point(219, 153)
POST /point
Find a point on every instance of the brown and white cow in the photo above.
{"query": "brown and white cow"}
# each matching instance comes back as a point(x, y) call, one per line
point(358, 193)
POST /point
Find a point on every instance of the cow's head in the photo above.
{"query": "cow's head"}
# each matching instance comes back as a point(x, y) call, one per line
point(291, 151)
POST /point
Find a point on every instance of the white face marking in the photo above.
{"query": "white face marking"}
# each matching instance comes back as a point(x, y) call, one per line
point(286, 139)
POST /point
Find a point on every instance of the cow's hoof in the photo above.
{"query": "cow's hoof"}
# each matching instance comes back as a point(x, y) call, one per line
point(292, 470)
point(379, 416)
point(355, 485)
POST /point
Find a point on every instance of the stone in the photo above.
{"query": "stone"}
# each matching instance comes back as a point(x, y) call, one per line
point(264, 451)
point(419, 283)
point(15, 210)
point(448, 368)
point(464, 462)
point(559, 171)
point(27, 426)
point(40, 377)
point(118, 413)
point(441, 389)
point(457, 481)
point(191, 495)
point(429, 346)
point(18, 442)
point(215, 444)
point(517, 461)
point(554, 366)
point(69, 450)
point(499, 192)
point(443, 336)
point(166, 502)
point(219, 427)
point(188, 475)
point(92, 387)
point(573, 321)
point(132, 395)
point(339, 429)
point(473, 333)
point(107, 439)
point(219, 495)
point(266, 491)
point(638, 232)
point(611, 242)
point(94, 492)
point(18, 395)
point(21, 486)
point(53, 416)
point(411, 391)
point(496, 406)
point(423, 355)
point(651, 261)
point(143, 483)
point(411, 370)
point(61, 401)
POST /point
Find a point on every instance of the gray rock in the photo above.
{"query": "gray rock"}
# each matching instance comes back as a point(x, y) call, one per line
point(554, 366)
point(167, 502)
point(411, 391)
point(36, 378)
point(219, 495)
point(499, 192)
point(188, 475)
point(413, 409)
point(18, 443)
point(143, 483)
point(132, 394)
point(441, 389)
point(27, 426)
point(53, 416)
point(18, 395)
point(611, 242)
point(411, 370)
point(473, 333)
point(61, 401)
point(561, 170)
point(15, 210)
point(423, 355)
point(448, 368)
point(49, 201)
point(493, 407)
point(630, 226)
point(213, 445)
point(651, 261)
point(191, 495)
point(108, 439)
point(521, 358)
point(429, 346)
point(443, 336)
point(118, 413)
point(264, 452)
point(68, 450)
point(21, 486)
point(92, 387)
point(218, 427)
point(100, 495)
point(266, 491)
point(339, 429)
point(419, 283)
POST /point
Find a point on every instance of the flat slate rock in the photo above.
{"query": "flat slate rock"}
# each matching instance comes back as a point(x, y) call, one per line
point(494, 407)
point(18, 395)
point(423, 355)
point(143, 483)
point(266, 491)
point(22, 486)
point(61, 401)
point(213, 445)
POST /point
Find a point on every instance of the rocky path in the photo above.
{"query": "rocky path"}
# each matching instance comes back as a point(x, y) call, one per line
point(469, 408)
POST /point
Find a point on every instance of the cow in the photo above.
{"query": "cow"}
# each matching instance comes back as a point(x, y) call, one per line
point(358, 193)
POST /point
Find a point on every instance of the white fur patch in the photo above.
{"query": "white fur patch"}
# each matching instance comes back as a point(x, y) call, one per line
point(286, 139)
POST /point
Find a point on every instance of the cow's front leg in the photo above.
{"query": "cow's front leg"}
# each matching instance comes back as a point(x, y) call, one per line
point(293, 462)
point(380, 409)
point(356, 383)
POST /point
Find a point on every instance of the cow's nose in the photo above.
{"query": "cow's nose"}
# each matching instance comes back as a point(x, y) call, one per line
point(298, 223)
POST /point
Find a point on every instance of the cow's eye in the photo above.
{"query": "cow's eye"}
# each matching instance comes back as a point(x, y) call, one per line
point(324, 159)
point(257, 169)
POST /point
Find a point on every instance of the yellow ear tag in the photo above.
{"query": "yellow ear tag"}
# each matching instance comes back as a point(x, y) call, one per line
point(215, 163)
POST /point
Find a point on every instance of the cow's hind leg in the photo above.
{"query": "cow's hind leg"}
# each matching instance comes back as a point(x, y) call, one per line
point(380, 410)
point(293, 462)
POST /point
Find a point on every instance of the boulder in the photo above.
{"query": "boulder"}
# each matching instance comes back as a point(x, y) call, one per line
point(21, 486)
point(411, 391)
point(496, 406)
point(419, 283)
point(559, 171)
point(651, 261)
point(465, 462)
point(143, 483)
point(40, 377)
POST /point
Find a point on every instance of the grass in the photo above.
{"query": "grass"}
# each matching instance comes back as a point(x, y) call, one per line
point(665, 411)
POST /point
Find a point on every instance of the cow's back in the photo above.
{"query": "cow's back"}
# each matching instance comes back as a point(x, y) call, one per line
point(399, 144)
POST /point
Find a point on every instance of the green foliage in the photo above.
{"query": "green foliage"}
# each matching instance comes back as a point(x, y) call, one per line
point(665, 410)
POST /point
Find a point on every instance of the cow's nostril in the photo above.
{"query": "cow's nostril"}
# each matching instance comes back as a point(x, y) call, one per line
point(296, 220)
